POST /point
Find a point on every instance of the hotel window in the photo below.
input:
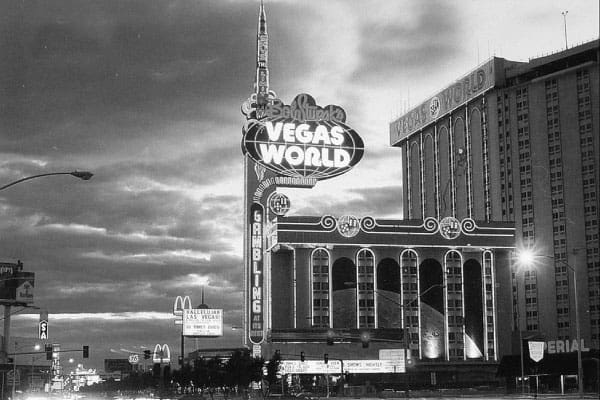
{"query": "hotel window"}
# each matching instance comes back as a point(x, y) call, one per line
point(320, 278)
point(408, 264)
point(365, 262)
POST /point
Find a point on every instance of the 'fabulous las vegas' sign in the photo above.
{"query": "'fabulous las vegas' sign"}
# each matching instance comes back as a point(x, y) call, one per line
point(303, 140)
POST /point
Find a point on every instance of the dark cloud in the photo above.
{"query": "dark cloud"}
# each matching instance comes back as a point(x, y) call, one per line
point(146, 94)
point(429, 40)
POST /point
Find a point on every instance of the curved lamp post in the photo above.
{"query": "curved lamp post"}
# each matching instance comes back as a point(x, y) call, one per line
point(84, 175)
point(528, 257)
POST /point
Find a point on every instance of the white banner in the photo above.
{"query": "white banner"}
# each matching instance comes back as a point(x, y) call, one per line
point(310, 367)
point(396, 356)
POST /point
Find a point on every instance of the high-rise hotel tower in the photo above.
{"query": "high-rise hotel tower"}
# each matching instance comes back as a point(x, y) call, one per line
point(519, 141)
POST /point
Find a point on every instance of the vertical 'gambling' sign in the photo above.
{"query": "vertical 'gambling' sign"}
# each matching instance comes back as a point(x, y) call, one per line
point(256, 258)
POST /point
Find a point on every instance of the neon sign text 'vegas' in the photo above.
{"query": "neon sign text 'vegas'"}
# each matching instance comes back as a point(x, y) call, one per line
point(303, 140)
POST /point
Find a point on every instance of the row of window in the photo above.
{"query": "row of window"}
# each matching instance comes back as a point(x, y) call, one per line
point(589, 192)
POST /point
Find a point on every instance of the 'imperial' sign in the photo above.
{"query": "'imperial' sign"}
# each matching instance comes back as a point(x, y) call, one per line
point(303, 140)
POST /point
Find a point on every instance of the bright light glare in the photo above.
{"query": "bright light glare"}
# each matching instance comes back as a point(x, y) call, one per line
point(526, 257)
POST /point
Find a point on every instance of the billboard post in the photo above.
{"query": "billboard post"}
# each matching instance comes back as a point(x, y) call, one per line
point(179, 307)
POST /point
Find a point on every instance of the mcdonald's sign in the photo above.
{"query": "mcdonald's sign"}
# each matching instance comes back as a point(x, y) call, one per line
point(162, 354)
point(181, 303)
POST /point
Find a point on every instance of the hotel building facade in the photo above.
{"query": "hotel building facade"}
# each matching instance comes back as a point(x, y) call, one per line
point(424, 300)
point(519, 141)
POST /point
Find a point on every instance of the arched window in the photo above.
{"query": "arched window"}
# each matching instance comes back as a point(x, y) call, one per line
point(389, 299)
point(365, 279)
point(488, 267)
point(454, 306)
point(320, 288)
point(431, 296)
point(410, 293)
point(343, 285)
point(473, 309)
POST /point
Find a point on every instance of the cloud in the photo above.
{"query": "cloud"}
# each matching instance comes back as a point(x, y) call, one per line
point(146, 95)
point(407, 41)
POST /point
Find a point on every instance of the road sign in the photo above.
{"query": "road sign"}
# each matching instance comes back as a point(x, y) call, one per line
point(134, 359)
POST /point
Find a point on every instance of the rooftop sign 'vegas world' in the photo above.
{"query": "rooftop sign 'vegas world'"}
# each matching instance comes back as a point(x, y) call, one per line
point(303, 140)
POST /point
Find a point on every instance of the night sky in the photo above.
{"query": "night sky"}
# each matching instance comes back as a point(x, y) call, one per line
point(146, 95)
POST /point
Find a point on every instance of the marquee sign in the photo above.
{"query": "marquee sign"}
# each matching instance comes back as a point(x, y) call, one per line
point(335, 367)
point(255, 225)
point(205, 322)
point(303, 140)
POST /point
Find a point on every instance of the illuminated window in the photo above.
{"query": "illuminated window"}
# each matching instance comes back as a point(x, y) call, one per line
point(365, 264)
point(320, 278)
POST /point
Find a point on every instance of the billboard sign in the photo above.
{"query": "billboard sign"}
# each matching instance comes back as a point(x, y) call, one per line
point(204, 322)
point(117, 364)
point(303, 140)
point(24, 290)
point(16, 286)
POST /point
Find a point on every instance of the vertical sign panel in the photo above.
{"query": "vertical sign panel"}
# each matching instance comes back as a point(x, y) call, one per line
point(43, 326)
point(256, 274)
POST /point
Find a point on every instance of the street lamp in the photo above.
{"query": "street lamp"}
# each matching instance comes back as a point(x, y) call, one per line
point(528, 257)
point(524, 258)
point(564, 14)
point(84, 175)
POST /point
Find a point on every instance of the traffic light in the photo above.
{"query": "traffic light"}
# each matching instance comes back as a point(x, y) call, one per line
point(330, 337)
point(365, 338)
point(302, 356)
point(410, 362)
point(325, 358)
point(86, 351)
point(147, 354)
point(48, 350)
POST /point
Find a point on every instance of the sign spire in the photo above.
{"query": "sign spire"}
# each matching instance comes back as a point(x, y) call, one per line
point(261, 84)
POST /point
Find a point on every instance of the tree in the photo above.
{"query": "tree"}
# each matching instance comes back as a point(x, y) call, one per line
point(242, 369)
point(272, 373)
point(183, 376)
